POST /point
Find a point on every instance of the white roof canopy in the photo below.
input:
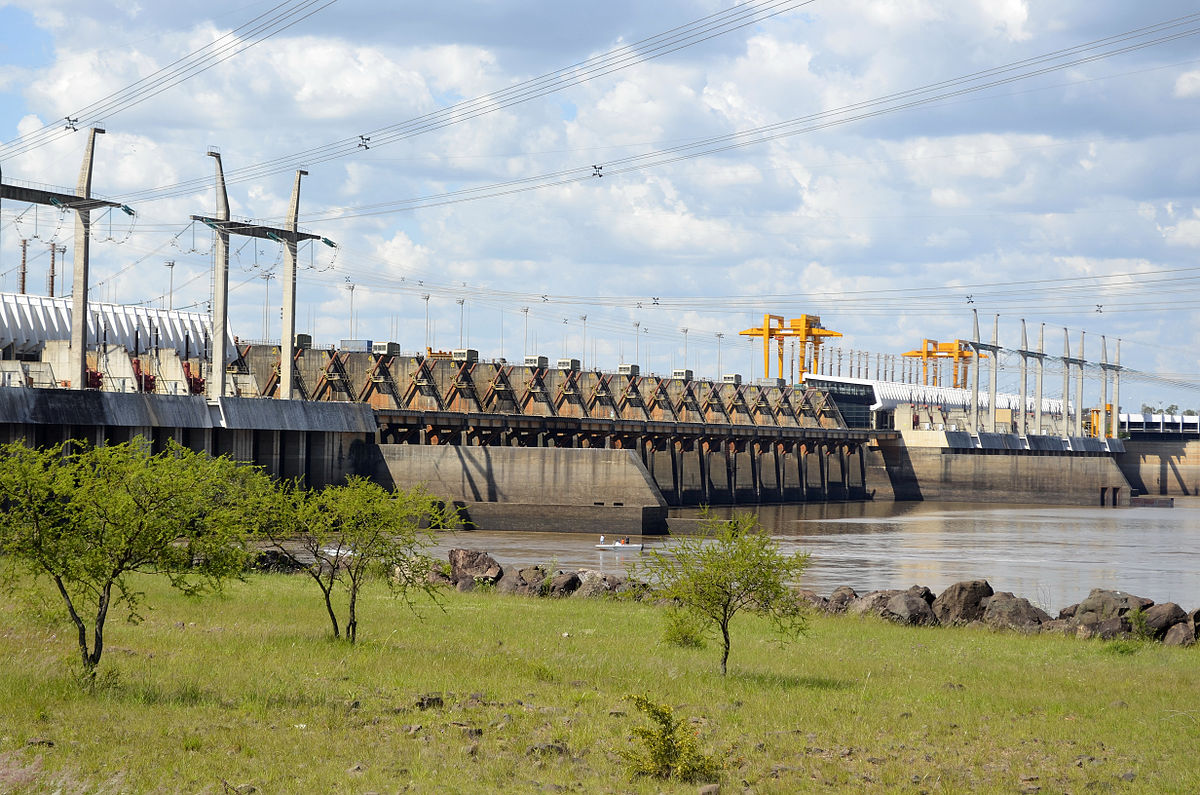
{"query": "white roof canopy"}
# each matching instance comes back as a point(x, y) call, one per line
point(28, 321)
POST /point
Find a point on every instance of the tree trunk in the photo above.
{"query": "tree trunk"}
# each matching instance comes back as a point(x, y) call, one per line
point(80, 628)
point(725, 647)
point(352, 621)
point(329, 608)
point(98, 630)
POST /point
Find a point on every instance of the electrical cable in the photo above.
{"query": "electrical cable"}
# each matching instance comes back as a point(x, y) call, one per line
point(182, 69)
point(653, 47)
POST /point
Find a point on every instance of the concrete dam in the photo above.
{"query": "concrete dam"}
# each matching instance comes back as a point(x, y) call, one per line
point(534, 446)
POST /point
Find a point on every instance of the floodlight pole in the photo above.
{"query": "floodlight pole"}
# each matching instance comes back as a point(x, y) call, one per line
point(288, 333)
point(77, 355)
point(220, 316)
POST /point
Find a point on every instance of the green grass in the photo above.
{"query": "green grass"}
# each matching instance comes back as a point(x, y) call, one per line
point(248, 689)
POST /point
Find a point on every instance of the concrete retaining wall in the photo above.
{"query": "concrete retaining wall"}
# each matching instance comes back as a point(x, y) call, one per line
point(926, 473)
point(1168, 468)
point(317, 442)
point(532, 488)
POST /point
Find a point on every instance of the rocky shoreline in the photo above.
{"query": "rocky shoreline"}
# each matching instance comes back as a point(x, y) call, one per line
point(1104, 614)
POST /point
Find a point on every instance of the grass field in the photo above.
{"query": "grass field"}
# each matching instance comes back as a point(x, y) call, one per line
point(248, 690)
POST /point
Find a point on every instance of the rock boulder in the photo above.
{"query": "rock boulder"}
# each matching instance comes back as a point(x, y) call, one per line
point(526, 581)
point(812, 598)
point(1062, 626)
point(1006, 611)
point(595, 584)
point(873, 603)
point(922, 592)
point(1108, 629)
point(962, 602)
point(1180, 635)
point(909, 608)
point(564, 583)
point(1103, 604)
point(478, 567)
point(840, 598)
point(1160, 618)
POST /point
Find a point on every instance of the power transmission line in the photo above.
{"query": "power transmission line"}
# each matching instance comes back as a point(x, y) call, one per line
point(263, 27)
point(670, 41)
point(1024, 69)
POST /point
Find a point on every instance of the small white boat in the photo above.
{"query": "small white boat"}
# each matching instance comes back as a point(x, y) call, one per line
point(620, 547)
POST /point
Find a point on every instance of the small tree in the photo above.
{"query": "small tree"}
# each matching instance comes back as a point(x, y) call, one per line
point(344, 535)
point(88, 517)
point(730, 568)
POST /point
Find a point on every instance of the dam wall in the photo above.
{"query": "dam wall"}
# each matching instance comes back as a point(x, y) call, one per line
point(594, 475)
point(1168, 468)
point(937, 473)
point(531, 488)
point(315, 442)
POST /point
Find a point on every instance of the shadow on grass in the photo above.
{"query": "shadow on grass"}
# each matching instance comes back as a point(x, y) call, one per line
point(186, 694)
point(189, 694)
point(791, 681)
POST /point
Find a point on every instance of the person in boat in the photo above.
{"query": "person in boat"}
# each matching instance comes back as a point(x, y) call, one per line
point(601, 539)
point(625, 540)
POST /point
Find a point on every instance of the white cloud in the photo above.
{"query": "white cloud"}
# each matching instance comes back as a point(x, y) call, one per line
point(1039, 177)
point(1187, 85)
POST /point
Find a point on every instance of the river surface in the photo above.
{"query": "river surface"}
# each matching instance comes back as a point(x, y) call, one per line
point(1051, 555)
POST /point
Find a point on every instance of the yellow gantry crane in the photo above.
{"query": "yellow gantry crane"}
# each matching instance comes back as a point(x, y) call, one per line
point(959, 351)
point(806, 329)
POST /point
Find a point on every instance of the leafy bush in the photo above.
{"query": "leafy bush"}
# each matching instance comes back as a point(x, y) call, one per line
point(732, 567)
point(1122, 648)
point(683, 629)
point(669, 747)
point(1137, 620)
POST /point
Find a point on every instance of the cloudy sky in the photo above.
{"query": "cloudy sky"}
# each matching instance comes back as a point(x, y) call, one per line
point(887, 164)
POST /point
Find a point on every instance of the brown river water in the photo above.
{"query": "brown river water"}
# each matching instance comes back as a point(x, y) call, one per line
point(1051, 555)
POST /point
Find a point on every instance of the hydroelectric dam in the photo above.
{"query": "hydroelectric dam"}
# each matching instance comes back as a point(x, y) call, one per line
point(552, 445)
point(540, 444)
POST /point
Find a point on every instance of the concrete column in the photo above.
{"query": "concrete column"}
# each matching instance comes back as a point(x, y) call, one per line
point(844, 463)
point(1041, 366)
point(1103, 432)
point(1079, 389)
point(975, 378)
point(755, 470)
point(862, 469)
point(1066, 390)
point(302, 456)
point(1117, 390)
point(1024, 425)
point(822, 452)
point(730, 470)
point(702, 458)
point(777, 459)
point(802, 469)
point(676, 470)
point(287, 345)
point(77, 353)
point(220, 310)
point(993, 373)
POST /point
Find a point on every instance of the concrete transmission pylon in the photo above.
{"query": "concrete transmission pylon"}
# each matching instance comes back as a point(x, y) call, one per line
point(82, 203)
point(290, 237)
